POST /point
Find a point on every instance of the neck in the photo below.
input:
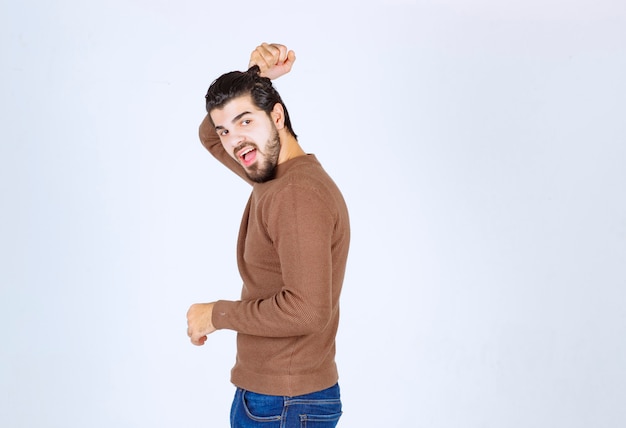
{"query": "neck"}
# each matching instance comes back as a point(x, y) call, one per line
point(289, 148)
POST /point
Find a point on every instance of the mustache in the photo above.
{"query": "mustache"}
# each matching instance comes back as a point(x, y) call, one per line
point(243, 145)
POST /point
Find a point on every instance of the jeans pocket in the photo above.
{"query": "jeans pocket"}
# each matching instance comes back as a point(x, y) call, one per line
point(262, 408)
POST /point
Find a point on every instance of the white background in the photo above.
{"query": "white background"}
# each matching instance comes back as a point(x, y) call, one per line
point(481, 147)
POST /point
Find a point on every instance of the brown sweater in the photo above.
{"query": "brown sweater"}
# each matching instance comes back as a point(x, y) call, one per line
point(291, 253)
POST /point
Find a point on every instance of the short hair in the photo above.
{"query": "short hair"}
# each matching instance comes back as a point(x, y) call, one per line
point(239, 83)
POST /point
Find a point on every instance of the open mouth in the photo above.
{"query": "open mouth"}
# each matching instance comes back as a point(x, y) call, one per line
point(248, 156)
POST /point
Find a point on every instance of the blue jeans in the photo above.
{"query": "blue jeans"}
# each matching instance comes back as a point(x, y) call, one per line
point(320, 409)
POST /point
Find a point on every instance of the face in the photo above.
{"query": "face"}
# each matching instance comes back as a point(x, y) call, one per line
point(249, 136)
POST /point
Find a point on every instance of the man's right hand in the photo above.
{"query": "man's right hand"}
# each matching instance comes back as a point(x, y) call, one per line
point(273, 60)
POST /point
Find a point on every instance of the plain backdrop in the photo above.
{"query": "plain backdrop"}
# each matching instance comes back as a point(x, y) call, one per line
point(480, 145)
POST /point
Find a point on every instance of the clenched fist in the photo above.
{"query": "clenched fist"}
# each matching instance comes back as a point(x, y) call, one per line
point(199, 324)
point(273, 60)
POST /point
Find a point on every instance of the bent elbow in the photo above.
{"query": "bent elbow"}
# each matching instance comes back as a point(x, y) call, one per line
point(317, 321)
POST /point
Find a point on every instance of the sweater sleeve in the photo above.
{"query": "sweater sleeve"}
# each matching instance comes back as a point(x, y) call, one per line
point(301, 227)
point(211, 141)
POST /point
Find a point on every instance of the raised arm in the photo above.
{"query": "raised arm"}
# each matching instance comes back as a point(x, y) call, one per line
point(273, 60)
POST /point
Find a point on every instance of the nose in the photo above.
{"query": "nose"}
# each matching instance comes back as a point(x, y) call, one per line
point(232, 140)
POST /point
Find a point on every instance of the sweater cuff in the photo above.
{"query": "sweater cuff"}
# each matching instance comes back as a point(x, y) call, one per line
point(219, 317)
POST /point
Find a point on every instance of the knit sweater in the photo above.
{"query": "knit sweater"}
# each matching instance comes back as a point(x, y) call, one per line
point(291, 254)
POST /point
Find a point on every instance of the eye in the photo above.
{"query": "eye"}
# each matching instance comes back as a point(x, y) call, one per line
point(246, 122)
point(223, 132)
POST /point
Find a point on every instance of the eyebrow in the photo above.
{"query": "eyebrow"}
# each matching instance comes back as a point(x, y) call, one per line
point(235, 119)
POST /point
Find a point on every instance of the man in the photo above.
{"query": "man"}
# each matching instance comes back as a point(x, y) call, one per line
point(291, 252)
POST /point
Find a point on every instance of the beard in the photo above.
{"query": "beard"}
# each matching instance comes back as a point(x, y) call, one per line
point(265, 167)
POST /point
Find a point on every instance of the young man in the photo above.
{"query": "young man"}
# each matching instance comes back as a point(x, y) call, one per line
point(291, 251)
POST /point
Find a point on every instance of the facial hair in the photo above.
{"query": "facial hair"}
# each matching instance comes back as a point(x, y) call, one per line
point(265, 168)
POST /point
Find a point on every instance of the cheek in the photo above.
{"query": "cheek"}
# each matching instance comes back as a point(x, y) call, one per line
point(227, 150)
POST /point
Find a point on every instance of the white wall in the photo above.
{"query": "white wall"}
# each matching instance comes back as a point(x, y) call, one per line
point(481, 147)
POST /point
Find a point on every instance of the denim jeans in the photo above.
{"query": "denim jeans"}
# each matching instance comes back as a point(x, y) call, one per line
point(320, 409)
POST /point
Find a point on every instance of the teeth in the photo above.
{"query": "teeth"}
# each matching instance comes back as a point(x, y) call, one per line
point(245, 152)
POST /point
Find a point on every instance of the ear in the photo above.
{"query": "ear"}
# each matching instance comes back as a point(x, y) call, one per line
point(278, 116)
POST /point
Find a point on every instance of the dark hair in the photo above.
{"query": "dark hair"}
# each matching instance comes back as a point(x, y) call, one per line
point(237, 83)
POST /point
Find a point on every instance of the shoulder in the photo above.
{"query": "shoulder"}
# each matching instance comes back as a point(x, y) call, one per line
point(305, 189)
point(308, 177)
point(302, 178)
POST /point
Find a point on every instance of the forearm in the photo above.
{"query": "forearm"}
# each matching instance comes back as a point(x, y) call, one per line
point(282, 315)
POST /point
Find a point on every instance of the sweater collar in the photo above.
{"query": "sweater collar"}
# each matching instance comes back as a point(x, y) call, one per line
point(283, 168)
